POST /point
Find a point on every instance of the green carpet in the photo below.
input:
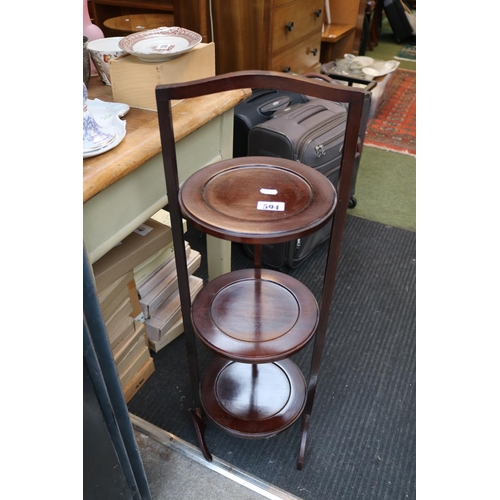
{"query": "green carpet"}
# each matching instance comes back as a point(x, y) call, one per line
point(386, 182)
point(386, 188)
point(387, 48)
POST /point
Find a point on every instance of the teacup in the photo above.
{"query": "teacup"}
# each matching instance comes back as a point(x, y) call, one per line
point(102, 51)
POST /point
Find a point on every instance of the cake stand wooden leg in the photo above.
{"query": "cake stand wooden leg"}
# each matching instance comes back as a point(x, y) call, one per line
point(257, 257)
point(200, 426)
point(305, 429)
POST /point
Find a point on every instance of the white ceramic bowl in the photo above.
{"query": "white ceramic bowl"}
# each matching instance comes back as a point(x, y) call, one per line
point(102, 51)
point(372, 72)
point(364, 61)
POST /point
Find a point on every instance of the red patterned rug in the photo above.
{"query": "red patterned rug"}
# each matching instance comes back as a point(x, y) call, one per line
point(394, 126)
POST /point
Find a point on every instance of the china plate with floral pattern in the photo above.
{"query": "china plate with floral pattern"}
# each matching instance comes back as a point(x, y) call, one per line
point(108, 116)
point(160, 44)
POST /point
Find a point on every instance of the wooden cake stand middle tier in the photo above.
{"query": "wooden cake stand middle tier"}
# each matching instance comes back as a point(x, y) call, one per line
point(255, 316)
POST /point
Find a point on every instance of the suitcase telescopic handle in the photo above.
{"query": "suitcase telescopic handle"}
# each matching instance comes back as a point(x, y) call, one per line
point(259, 94)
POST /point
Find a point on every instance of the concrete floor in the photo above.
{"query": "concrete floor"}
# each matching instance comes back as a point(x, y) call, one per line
point(177, 470)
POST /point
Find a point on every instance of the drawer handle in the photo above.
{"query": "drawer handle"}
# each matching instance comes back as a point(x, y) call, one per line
point(314, 51)
point(289, 26)
point(287, 69)
point(317, 13)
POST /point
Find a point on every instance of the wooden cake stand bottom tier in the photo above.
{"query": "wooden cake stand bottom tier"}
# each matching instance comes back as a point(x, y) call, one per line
point(255, 316)
point(253, 401)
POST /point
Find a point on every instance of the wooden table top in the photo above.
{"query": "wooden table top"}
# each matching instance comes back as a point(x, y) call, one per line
point(142, 140)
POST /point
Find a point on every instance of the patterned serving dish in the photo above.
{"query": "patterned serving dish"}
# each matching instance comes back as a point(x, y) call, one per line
point(160, 44)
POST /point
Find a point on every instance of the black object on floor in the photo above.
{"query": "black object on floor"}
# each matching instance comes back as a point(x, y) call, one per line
point(396, 16)
point(362, 436)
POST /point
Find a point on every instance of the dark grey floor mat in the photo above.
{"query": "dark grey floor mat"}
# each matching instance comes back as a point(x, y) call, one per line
point(362, 438)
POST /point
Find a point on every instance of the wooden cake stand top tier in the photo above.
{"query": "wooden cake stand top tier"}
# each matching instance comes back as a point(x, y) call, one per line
point(258, 200)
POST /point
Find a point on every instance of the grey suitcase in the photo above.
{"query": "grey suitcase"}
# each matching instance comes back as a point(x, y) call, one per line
point(258, 108)
point(312, 133)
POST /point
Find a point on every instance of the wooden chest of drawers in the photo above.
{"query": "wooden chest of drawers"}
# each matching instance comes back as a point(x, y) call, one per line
point(278, 35)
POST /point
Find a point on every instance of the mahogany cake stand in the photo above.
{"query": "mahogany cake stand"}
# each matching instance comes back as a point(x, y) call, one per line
point(255, 319)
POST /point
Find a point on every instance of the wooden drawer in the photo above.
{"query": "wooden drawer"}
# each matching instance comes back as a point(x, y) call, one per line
point(303, 17)
point(301, 58)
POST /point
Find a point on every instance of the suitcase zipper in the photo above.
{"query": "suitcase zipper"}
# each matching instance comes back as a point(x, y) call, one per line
point(322, 128)
point(320, 149)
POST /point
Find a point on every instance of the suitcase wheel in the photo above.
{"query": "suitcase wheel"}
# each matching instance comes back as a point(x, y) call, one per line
point(352, 202)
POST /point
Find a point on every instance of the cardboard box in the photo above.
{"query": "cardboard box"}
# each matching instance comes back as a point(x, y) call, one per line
point(140, 358)
point(136, 365)
point(377, 92)
point(165, 316)
point(138, 380)
point(143, 271)
point(154, 278)
point(127, 330)
point(134, 299)
point(144, 242)
point(151, 301)
point(130, 352)
point(126, 347)
point(111, 296)
point(133, 81)
point(115, 323)
point(123, 331)
point(176, 330)
point(108, 312)
point(163, 216)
